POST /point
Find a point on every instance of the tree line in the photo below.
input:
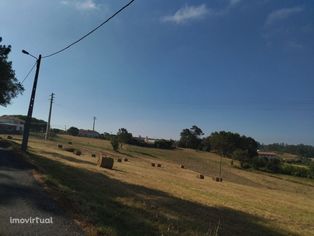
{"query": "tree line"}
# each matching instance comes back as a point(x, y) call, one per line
point(299, 150)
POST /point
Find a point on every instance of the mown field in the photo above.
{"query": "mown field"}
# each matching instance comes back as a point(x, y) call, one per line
point(137, 199)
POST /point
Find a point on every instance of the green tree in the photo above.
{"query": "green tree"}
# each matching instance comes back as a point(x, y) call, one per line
point(115, 143)
point(124, 136)
point(73, 131)
point(242, 156)
point(9, 85)
point(190, 138)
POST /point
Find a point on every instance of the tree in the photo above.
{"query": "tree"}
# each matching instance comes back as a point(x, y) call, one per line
point(242, 156)
point(124, 136)
point(115, 143)
point(9, 85)
point(73, 131)
point(190, 138)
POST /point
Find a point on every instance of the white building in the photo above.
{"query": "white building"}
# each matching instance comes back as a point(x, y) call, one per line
point(11, 124)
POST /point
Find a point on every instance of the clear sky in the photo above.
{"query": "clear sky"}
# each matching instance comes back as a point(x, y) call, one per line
point(244, 66)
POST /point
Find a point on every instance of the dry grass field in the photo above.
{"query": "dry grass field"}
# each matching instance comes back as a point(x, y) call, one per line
point(137, 199)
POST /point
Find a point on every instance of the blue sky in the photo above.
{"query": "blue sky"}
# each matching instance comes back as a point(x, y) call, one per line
point(161, 66)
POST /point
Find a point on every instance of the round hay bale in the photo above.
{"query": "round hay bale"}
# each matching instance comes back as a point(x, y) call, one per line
point(70, 143)
point(158, 165)
point(119, 160)
point(78, 152)
point(9, 137)
point(93, 155)
point(126, 159)
point(201, 176)
point(153, 164)
point(60, 146)
point(182, 166)
point(105, 162)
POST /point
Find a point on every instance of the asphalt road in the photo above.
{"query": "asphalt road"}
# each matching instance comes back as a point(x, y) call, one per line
point(21, 197)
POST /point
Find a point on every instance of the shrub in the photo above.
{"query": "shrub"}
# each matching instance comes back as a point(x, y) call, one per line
point(273, 165)
point(115, 143)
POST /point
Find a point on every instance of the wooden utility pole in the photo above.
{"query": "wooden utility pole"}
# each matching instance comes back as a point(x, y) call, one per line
point(49, 117)
point(94, 123)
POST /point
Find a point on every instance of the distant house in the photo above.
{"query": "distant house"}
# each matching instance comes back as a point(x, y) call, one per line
point(150, 140)
point(267, 154)
point(88, 133)
point(11, 125)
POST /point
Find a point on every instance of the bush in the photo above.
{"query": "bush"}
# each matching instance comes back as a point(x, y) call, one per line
point(299, 171)
point(115, 143)
point(273, 165)
point(164, 144)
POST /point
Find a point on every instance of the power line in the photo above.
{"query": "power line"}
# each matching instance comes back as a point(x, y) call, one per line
point(90, 32)
point(28, 73)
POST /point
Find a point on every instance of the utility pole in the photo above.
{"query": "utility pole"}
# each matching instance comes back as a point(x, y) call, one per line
point(94, 123)
point(49, 117)
point(31, 105)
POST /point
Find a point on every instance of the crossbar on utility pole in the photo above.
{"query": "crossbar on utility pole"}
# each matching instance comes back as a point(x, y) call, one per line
point(49, 117)
point(30, 108)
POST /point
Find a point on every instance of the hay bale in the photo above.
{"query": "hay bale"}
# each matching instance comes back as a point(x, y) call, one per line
point(153, 164)
point(78, 152)
point(182, 166)
point(201, 176)
point(158, 165)
point(119, 160)
point(218, 179)
point(70, 143)
point(93, 155)
point(60, 146)
point(9, 137)
point(126, 159)
point(105, 162)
